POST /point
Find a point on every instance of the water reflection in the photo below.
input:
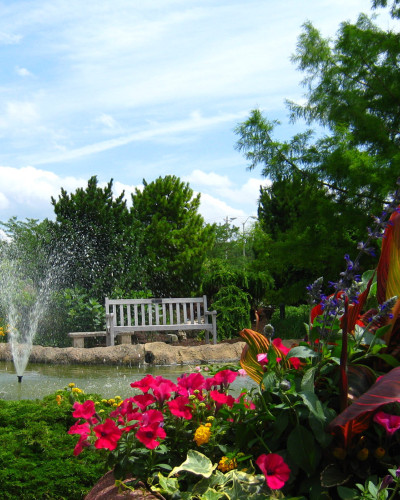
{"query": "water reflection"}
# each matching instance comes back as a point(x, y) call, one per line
point(39, 380)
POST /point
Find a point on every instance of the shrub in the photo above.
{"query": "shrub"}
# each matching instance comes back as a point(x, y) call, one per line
point(37, 461)
point(233, 311)
point(292, 326)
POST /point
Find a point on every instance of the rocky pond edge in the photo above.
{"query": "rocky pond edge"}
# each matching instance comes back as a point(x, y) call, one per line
point(154, 353)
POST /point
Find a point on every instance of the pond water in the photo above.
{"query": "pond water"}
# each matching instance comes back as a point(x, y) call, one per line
point(40, 380)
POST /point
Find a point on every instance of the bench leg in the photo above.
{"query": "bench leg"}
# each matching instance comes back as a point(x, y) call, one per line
point(78, 342)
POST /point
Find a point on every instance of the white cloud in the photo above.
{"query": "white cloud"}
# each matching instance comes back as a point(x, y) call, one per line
point(4, 202)
point(23, 72)
point(107, 120)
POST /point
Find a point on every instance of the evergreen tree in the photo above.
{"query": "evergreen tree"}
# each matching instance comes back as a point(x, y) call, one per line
point(175, 239)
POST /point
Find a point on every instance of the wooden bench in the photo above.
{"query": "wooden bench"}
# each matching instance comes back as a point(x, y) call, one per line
point(125, 317)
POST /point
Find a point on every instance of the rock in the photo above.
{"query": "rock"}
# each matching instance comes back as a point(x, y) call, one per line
point(171, 338)
point(105, 489)
point(155, 353)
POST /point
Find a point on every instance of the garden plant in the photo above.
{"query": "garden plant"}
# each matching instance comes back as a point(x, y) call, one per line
point(322, 423)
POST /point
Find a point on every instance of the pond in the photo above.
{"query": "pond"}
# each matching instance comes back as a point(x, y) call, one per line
point(40, 380)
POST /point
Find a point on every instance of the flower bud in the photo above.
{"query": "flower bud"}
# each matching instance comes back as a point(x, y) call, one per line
point(379, 452)
point(363, 454)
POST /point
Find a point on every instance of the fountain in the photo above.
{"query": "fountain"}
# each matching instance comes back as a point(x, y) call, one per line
point(23, 300)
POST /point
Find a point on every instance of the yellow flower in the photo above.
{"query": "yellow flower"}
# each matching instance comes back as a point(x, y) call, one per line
point(202, 435)
point(71, 384)
point(226, 464)
point(363, 454)
point(101, 411)
point(104, 400)
point(58, 399)
point(379, 452)
point(76, 390)
point(208, 425)
point(111, 401)
point(117, 398)
point(210, 418)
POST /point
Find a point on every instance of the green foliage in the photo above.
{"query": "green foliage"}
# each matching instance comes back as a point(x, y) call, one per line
point(175, 240)
point(233, 311)
point(96, 237)
point(36, 459)
point(293, 325)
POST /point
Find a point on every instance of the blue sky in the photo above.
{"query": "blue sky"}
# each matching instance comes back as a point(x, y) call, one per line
point(134, 89)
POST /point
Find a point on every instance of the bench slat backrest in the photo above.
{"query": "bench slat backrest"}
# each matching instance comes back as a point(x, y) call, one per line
point(169, 311)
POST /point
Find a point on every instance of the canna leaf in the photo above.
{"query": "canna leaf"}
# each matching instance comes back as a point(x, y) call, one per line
point(388, 270)
point(257, 344)
point(385, 390)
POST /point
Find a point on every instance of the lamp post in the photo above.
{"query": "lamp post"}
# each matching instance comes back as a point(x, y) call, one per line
point(244, 241)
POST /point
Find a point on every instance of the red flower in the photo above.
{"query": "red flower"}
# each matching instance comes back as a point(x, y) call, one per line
point(275, 470)
point(83, 442)
point(225, 377)
point(148, 435)
point(143, 400)
point(247, 404)
point(391, 423)
point(179, 408)
point(278, 343)
point(145, 384)
point(222, 399)
point(84, 410)
point(108, 435)
point(163, 390)
point(189, 383)
point(151, 417)
point(81, 429)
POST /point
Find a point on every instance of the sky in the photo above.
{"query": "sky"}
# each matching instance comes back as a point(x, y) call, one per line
point(133, 90)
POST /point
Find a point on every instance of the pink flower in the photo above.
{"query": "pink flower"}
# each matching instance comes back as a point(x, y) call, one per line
point(295, 362)
point(151, 417)
point(84, 410)
point(108, 435)
point(179, 407)
point(189, 383)
point(391, 423)
point(145, 384)
point(81, 429)
point(148, 435)
point(163, 390)
point(278, 343)
point(225, 377)
point(275, 470)
point(82, 443)
point(262, 358)
point(143, 400)
point(242, 372)
point(222, 399)
point(247, 404)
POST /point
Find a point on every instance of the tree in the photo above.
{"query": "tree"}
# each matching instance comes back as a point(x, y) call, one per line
point(175, 238)
point(324, 189)
point(96, 236)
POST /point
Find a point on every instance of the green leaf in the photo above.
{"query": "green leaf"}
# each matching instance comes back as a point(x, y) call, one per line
point(269, 381)
point(301, 351)
point(389, 359)
point(313, 404)
point(347, 493)
point(168, 485)
point(307, 382)
point(211, 494)
point(197, 463)
point(332, 476)
point(303, 449)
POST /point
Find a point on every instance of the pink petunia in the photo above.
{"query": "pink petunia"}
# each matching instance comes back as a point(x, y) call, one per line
point(242, 372)
point(149, 434)
point(81, 429)
point(144, 384)
point(225, 377)
point(163, 391)
point(248, 404)
point(108, 435)
point(151, 417)
point(262, 358)
point(275, 470)
point(179, 407)
point(143, 400)
point(82, 443)
point(222, 399)
point(391, 423)
point(278, 344)
point(189, 383)
point(84, 410)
